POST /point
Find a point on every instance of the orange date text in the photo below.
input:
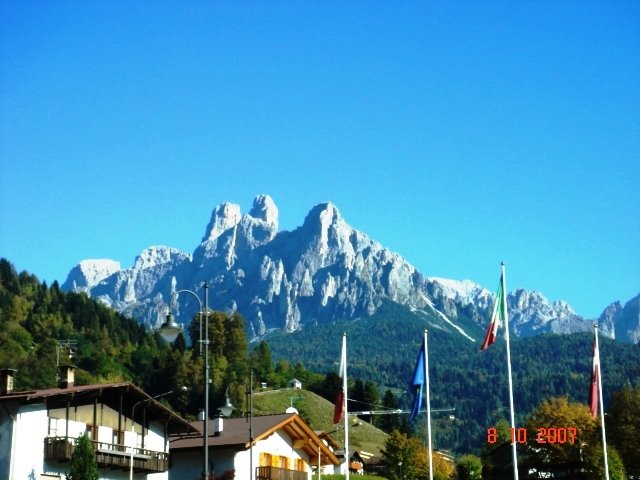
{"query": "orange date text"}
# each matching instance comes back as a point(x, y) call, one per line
point(551, 435)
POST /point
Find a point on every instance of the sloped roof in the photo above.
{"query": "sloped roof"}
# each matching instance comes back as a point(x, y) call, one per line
point(235, 435)
point(109, 394)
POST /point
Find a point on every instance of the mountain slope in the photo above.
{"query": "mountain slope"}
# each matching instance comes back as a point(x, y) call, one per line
point(462, 377)
point(318, 413)
point(322, 272)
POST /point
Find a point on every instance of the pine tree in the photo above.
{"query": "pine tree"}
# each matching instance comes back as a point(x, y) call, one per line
point(83, 461)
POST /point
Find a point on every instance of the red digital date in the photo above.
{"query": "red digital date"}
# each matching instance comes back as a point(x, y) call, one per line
point(551, 435)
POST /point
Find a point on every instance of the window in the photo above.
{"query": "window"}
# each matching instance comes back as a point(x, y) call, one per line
point(265, 459)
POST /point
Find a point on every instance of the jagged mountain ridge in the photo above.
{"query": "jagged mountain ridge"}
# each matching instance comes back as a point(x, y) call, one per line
point(323, 271)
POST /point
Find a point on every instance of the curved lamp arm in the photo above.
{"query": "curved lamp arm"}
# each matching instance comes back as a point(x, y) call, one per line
point(170, 329)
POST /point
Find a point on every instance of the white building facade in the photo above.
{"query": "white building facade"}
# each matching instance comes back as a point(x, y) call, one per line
point(284, 447)
point(38, 431)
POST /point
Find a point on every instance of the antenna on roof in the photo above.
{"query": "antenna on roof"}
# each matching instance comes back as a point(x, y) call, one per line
point(68, 347)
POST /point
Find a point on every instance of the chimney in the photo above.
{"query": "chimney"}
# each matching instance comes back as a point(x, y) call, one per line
point(66, 376)
point(6, 380)
point(218, 426)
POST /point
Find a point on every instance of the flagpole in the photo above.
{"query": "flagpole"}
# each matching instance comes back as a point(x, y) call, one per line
point(426, 374)
point(346, 411)
point(506, 336)
point(604, 435)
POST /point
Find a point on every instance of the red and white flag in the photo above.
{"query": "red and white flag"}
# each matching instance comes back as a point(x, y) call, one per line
point(341, 397)
point(595, 379)
point(498, 316)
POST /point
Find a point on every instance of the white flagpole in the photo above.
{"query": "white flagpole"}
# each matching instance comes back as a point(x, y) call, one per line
point(604, 436)
point(346, 412)
point(506, 336)
point(426, 374)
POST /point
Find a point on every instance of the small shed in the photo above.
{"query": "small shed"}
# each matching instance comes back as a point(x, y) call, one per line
point(295, 383)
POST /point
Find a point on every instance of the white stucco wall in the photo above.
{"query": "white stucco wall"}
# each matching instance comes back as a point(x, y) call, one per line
point(24, 457)
point(27, 453)
point(188, 465)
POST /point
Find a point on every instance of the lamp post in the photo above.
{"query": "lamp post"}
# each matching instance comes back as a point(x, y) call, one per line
point(226, 411)
point(133, 411)
point(204, 347)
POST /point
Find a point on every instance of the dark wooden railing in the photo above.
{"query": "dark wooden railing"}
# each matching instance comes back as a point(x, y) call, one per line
point(108, 455)
point(275, 473)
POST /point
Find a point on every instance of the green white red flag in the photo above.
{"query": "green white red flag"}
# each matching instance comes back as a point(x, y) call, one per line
point(595, 379)
point(497, 317)
point(340, 405)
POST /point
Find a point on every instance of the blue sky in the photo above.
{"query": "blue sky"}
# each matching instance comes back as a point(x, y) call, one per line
point(458, 134)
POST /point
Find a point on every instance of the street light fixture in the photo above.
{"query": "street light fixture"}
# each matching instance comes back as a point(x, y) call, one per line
point(170, 329)
point(133, 411)
point(204, 347)
point(228, 408)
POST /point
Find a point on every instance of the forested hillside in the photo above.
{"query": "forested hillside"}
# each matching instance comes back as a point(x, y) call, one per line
point(109, 347)
point(34, 316)
point(383, 349)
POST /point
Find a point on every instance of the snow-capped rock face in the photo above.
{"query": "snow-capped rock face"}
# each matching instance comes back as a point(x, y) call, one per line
point(531, 313)
point(610, 318)
point(125, 290)
point(88, 273)
point(628, 326)
point(323, 271)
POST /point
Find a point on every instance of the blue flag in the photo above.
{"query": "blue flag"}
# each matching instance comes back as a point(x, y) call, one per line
point(418, 381)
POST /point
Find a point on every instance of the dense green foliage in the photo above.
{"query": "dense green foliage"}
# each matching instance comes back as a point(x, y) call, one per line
point(563, 439)
point(623, 428)
point(83, 461)
point(383, 349)
point(34, 318)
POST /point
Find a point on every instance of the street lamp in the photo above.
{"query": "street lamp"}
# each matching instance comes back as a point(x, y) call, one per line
point(170, 329)
point(228, 408)
point(204, 346)
point(133, 411)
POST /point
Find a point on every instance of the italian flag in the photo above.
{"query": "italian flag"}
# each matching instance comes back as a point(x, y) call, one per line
point(498, 315)
point(595, 379)
point(341, 397)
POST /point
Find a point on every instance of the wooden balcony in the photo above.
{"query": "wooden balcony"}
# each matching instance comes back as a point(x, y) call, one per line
point(109, 455)
point(275, 473)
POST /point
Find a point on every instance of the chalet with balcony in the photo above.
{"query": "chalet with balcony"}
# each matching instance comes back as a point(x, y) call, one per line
point(284, 448)
point(39, 428)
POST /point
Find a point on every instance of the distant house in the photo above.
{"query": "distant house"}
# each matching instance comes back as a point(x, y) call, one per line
point(38, 429)
point(284, 447)
point(295, 383)
point(331, 443)
point(355, 464)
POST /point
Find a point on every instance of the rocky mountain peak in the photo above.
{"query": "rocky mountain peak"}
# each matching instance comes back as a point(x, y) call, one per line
point(224, 216)
point(321, 217)
point(324, 271)
point(155, 256)
point(628, 326)
point(88, 273)
point(265, 209)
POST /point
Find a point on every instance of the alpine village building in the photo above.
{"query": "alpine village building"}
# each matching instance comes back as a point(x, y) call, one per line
point(39, 429)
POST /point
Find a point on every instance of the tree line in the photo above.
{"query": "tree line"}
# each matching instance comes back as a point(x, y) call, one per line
point(382, 352)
